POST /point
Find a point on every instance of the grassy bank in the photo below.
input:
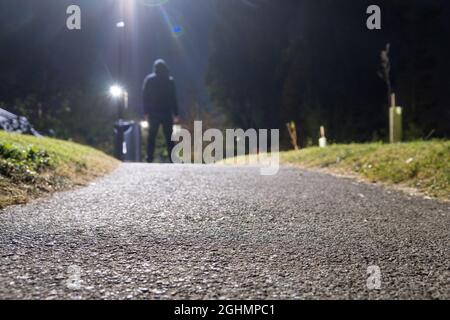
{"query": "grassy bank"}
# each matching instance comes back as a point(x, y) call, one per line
point(32, 167)
point(424, 166)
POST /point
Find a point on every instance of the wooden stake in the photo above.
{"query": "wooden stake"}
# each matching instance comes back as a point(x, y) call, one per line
point(292, 129)
point(393, 102)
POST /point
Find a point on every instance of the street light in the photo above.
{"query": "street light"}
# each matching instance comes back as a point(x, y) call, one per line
point(116, 91)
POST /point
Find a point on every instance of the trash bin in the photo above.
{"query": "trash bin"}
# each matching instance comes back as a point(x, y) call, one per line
point(127, 141)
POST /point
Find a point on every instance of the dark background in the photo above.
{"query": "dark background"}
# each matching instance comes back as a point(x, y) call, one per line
point(237, 63)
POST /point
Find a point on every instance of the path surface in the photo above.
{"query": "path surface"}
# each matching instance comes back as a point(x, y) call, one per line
point(151, 231)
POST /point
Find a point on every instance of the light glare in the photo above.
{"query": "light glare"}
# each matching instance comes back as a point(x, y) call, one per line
point(116, 91)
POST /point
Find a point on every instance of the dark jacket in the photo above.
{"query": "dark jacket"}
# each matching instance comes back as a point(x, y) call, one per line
point(160, 99)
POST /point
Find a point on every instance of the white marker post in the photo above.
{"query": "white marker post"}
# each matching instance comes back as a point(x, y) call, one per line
point(323, 139)
point(395, 122)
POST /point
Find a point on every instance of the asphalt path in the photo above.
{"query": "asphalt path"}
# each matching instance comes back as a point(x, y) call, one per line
point(218, 232)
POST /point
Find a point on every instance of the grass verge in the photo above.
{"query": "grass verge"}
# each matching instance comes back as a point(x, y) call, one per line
point(31, 167)
point(423, 165)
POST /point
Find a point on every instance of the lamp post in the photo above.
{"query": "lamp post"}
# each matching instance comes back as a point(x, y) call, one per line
point(127, 134)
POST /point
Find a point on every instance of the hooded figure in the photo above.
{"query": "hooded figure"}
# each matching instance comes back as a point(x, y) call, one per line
point(160, 105)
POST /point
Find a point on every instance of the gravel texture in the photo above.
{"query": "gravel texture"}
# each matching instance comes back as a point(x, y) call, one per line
point(196, 232)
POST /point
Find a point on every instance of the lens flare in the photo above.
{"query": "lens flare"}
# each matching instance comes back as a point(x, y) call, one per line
point(177, 31)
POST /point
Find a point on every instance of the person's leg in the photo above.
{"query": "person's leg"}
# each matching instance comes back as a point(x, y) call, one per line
point(152, 133)
point(168, 129)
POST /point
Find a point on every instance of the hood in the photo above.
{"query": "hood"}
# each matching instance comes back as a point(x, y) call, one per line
point(160, 69)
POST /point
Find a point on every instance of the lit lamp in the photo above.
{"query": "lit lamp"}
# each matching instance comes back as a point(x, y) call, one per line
point(118, 92)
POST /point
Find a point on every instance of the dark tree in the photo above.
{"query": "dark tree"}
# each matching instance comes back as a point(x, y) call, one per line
point(316, 63)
